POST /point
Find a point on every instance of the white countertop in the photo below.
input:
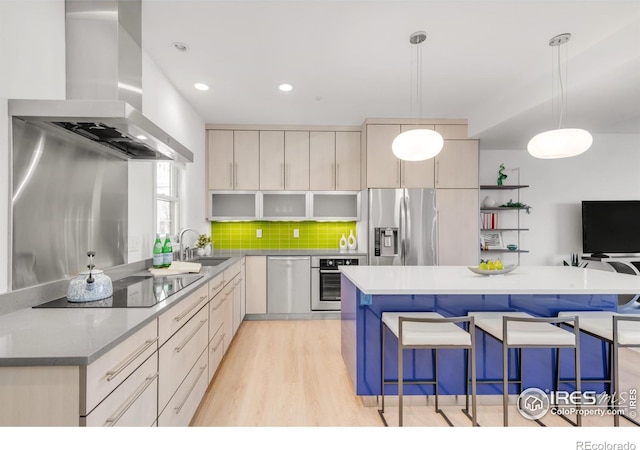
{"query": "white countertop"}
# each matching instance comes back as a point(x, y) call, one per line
point(460, 280)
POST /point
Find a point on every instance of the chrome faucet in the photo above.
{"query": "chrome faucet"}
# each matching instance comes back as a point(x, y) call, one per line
point(183, 250)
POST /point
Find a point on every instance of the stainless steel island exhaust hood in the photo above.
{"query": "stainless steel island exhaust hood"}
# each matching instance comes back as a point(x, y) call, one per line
point(104, 85)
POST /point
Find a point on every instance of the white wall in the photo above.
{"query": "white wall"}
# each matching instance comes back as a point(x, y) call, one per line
point(32, 65)
point(610, 169)
point(163, 105)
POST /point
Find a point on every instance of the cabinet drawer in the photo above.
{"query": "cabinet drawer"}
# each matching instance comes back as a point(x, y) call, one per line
point(216, 352)
point(176, 317)
point(232, 271)
point(134, 403)
point(179, 354)
point(216, 309)
point(183, 405)
point(216, 285)
point(105, 374)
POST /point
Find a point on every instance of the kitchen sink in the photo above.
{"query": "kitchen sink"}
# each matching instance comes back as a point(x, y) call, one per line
point(210, 260)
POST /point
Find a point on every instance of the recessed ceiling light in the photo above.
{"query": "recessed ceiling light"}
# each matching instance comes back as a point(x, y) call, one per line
point(142, 137)
point(201, 87)
point(285, 87)
point(180, 46)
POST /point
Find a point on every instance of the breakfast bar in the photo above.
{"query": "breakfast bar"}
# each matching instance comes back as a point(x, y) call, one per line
point(543, 291)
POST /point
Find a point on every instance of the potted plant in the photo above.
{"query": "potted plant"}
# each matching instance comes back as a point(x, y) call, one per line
point(202, 243)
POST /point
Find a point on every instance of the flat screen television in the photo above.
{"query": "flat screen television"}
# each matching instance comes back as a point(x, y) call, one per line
point(610, 226)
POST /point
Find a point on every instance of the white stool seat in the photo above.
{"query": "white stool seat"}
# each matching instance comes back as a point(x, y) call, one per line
point(600, 323)
point(425, 333)
point(522, 333)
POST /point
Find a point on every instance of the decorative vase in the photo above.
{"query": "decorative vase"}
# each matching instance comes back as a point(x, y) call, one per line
point(488, 202)
point(352, 243)
point(208, 249)
point(200, 251)
point(343, 242)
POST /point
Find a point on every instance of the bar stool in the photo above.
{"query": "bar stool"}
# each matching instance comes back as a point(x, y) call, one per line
point(428, 330)
point(521, 330)
point(618, 331)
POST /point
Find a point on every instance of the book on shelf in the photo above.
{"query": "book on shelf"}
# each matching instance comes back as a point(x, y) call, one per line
point(489, 220)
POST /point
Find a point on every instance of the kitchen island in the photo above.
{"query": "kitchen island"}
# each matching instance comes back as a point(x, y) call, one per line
point(368, 291)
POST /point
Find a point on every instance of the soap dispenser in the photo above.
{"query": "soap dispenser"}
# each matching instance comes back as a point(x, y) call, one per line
point(352, 243)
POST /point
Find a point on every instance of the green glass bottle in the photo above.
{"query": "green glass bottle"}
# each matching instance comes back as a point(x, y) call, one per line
point(167, 252)
point(158, 253)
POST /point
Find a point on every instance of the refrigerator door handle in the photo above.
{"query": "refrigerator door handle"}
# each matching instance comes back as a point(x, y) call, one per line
point(401, 223)
point(434, 237)
point(406, 241)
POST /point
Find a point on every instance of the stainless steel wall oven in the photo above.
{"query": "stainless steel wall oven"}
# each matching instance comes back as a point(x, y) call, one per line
point(325, 280)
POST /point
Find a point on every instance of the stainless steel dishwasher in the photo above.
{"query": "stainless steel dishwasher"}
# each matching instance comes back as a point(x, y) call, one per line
point(288, 284)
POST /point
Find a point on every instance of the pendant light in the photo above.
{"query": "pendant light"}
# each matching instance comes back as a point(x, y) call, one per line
point(419, 144)
point(562, 142)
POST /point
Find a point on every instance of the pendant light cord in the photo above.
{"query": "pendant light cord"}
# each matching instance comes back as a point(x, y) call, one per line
point(561, 98)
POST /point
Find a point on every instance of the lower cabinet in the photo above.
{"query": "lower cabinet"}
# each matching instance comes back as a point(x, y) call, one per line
point(155, 377)
point(132, 404)
point(182, 406)
point(179, 354)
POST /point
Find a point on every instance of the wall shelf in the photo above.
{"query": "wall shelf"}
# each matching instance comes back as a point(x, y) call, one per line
point(513, 223)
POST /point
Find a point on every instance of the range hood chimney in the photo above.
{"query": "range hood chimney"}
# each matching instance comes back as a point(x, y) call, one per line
point(104, 84)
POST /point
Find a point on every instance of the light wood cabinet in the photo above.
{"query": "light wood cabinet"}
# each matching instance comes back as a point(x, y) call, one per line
point(256, 285)
point(237, 303)
point(296, 160)
point(322, 160)
point(179, 354)
point(384, 170)
point(347, 161)
point(134, 403)
point(176, 317)
point(216, 352)
point(334, 160)
point(457, 165)
point(272, 170)
point(182, 406)
point(458, 227)
point(232, 160)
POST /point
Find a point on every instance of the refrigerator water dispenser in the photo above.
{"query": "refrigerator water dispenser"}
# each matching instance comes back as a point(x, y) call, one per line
point(386, 241)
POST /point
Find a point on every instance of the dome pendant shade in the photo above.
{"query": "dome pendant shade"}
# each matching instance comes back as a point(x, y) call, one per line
point(560, 143)
point(417, 145)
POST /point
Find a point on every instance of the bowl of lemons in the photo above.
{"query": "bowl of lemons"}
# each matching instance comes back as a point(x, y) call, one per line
point(492, 267)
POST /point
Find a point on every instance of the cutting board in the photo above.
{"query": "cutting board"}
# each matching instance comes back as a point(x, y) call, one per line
point(177, 268)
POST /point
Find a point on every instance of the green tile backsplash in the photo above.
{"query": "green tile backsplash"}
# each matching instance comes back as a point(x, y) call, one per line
point(279, 235)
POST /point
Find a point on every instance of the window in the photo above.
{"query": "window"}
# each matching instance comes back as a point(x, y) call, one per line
point(168, 190)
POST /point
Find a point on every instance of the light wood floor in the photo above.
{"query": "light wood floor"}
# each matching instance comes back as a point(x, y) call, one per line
point(291, 373)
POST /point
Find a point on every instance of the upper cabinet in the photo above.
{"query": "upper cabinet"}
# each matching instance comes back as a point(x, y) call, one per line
point(284, 160)
point(457, 164)
point(334, 160)
point(384, 170)
point(455, 167)
point(233, 157)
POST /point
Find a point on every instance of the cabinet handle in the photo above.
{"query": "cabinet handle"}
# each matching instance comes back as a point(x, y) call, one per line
point(219, 285)
point(182, 316)
point(111, 374)
point(111, 421)
point(235, 175)
point(333, 175)
point(215, 308)
point(282, 173)
point(219, 343)
point(184, 343)
point(286, 171)
point(193, 386)
point(238, 282)
point(437, 172)
point(231, 175)
point(398, 173)
point(403, 169)
point(337, 175)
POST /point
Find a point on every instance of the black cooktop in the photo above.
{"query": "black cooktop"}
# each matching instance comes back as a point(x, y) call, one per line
point(132, 292)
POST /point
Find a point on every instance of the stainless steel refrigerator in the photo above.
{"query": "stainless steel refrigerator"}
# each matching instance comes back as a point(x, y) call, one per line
point(402, 227)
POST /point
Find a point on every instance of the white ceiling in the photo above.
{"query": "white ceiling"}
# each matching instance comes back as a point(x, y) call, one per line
point(486, 61)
